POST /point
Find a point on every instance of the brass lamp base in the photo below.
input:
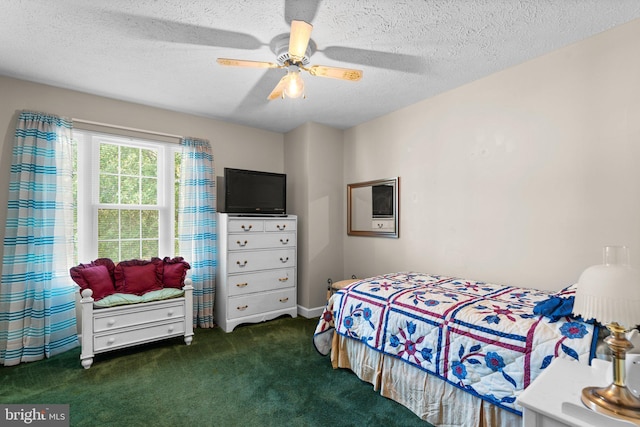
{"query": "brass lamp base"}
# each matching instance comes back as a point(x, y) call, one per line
point(616, 399)
point(613, 400)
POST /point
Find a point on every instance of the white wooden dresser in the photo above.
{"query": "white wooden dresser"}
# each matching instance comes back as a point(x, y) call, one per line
point(256, 274)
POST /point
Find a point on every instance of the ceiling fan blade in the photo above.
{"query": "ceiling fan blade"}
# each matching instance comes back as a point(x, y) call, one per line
point(335, 72)
point(278, 90)
point(299, 39)
point(244, 63)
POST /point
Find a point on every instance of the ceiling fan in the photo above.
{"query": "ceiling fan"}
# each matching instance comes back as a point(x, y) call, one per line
point(294, 59)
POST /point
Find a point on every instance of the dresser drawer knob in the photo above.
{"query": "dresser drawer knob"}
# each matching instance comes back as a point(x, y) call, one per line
point(284, 241)
point(111, 322)
point(241, 285)
point(284, 299)
point(241, 264)
point(242, 244)
point(247, 228)
point(283, 260)
point(171, 328)
point(283, 279)
point(170, 313)
point(242, 307)
point(111, 341)
point(281, 227)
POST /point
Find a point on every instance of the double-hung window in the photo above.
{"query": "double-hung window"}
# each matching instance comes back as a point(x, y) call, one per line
point(127, 197)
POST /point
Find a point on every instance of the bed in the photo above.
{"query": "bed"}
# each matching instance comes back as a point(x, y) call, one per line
point(456, 352)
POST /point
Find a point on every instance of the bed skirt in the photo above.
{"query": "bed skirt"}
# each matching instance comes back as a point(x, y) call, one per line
point(429, 397)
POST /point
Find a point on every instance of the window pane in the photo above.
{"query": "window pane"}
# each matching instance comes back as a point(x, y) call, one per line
point(108, 224)
point(108, 189)
point(129, 190)
point(131, 174)
point(177, 161)
point(149, 163)
point(149, 191)
point(129, 224)
point(129, 161)
point(150, 249)
point(130, 249)
point(150, 224)
point(108, 249)
point(108, 158)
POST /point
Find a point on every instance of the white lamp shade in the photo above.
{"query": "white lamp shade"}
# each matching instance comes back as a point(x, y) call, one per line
point(609, 293)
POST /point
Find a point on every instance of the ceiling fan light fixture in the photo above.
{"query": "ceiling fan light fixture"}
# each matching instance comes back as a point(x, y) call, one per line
point(293, 52)
point(294, 87)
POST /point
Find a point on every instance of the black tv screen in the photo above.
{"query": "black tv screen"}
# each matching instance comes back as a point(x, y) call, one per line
point(382, 201)
point(255, 192)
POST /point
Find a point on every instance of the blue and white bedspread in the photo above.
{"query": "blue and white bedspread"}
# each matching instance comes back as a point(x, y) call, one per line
point(481, 337)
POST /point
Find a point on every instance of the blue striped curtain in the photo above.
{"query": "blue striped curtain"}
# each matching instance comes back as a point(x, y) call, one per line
point(197, 225)
point(37, 296)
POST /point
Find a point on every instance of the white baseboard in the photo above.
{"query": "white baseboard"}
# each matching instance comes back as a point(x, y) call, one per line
point(310, 313)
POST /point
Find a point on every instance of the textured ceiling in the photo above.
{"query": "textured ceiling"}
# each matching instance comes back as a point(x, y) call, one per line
point(162, 53)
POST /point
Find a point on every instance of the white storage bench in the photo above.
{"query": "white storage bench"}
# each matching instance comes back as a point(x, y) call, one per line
point(112, 328)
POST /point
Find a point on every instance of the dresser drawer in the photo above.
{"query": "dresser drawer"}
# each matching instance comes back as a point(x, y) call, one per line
point(115, 318)
point(261, 241)
point(137, 335)
point(242, 261)
point(246, 225)
point(261, 303)
point(242, 284)
point(280, 225)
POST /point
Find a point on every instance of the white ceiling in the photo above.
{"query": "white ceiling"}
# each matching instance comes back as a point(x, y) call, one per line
point(162, 53)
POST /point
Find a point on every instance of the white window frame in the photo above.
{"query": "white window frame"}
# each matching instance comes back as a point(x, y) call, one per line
point(88, 203)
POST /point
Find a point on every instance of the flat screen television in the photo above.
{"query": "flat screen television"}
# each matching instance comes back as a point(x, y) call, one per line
point(255, 192)
point(382, 201)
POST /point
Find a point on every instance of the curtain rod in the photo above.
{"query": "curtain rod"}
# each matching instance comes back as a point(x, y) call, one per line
point(150, 132)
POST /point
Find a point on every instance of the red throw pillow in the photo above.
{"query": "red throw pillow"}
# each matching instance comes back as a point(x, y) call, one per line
point(138, 276)
point(97, 276)
point(174, 272)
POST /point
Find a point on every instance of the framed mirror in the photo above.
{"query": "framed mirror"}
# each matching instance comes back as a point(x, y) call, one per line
point(372, 208)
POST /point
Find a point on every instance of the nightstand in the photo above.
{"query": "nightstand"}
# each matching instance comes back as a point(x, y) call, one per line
point(553, 399)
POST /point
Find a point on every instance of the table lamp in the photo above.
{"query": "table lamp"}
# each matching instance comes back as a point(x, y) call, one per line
point(610, 294)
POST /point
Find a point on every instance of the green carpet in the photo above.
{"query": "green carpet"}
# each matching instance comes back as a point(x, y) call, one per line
point(267, 374)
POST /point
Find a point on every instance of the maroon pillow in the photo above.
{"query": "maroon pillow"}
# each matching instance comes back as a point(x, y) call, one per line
point(174, 272)
point(138, 276)
point(97, 276)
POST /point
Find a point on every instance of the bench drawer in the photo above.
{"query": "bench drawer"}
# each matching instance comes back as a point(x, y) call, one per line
point(138, 314)
point(138, 335)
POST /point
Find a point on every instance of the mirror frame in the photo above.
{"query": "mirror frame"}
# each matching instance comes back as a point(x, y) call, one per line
point(395, 181)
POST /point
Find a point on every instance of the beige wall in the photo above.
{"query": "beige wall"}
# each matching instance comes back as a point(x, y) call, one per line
point(518, 178)
point(313, 163)
point(233, 145)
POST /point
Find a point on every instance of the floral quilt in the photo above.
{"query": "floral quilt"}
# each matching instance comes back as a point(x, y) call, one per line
point(481, 337)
